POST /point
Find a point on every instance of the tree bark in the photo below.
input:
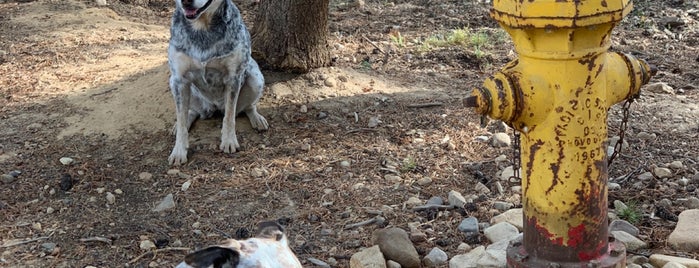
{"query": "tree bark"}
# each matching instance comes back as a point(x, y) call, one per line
point(291, 34)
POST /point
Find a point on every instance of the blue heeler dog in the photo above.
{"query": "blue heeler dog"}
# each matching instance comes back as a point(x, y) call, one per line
point(211, 70)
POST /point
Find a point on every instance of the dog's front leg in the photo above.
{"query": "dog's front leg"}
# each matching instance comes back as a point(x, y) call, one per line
point(181, 91)
point(229, 139)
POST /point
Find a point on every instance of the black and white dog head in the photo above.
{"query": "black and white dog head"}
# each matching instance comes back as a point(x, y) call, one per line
point(269, 249)
point(193, 9)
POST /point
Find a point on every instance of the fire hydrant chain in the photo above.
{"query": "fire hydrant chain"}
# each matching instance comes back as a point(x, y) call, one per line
point(516, 159)
point(618, 147)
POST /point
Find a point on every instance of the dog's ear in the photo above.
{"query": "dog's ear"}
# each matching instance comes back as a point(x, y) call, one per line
point(216, 257)
point(270, 229)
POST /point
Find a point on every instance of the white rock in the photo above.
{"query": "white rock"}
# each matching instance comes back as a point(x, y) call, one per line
point(463, 247)
point(500, 231)
point(645, 176)
point(662, 173)
point(493, 258)
point(660, 87)
point(676, 165)
point(393, 178)
point(368, 258)
point(424, 181)
point(620, 206)
point(186, 185)
point(456, 199)
point(344, 163)
point(659, 260)
point(101, 3)
point(502, 206)
point(66, 161)
point(145, 176)
point(646, 136)
point(413, 201)
point(685, 236)
point(632, 243)
point(118, 191)
point(435, 258)
point(50, 210)
point(111, 199)
point(468, 260)
point(507, 173)
point(146, 245)
point(613, 186)
point(167, 203)
point(673, 265)
point(513, 216)
point(392, 264)
point(481, 188)
point(500, 140)
point(374, 121)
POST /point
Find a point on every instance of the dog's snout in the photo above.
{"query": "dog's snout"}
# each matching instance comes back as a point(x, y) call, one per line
point(187, 2)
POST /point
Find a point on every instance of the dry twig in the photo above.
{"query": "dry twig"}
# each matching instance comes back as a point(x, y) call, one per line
point(17, 243)
point(96, 239)
point(425, 105)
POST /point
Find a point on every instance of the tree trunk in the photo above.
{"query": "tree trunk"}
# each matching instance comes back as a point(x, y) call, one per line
point(291, 34)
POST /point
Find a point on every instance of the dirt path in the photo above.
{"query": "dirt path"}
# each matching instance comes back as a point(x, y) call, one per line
point(90, 83)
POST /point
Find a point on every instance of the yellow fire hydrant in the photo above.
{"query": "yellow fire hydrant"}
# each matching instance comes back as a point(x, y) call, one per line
point(557, 95)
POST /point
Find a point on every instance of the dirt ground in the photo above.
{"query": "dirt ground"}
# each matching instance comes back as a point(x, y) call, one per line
point(90, 83)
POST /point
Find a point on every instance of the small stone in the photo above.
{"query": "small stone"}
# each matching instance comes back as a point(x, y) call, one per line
point(413, 201)
point(468, 260)
point(463, 247)
point(645, 176)
point(368, 258)
point(424, 181)
point(7, 178)
point(435, 200)
point(506, 173)
point(257, 173)
point(456, 199)
point(66, 161)
point(48, 247)
point(676, 165)
point(173, 172)
point(321, 115)
point(613, 186)
point(692, 203)
point(50, 210)
point(660, 87)
point(673, 265)
point(662, 173)
point(468, 225)
point(417, 236)
point(395, 245)
point(101, 3)
point(393, 178)
point(646, 136)
point(502, 206)
point(318, 262)
point(666, 203)
point(66, 182)
point(196, 225)
point(619, 206)
point(500, 231)
point(374, 121)
point(145, 176)
point(500, 140)
point(435, 258)
point(303, 109)
point(111, 199)
point(659, 260)
point(167, 203)
point(513, 216)
point(329, 82)
point(146, 245)
point(392, 264)
point(637, 259)
point(622, 225)
point(37, 226)
point(632, 243)
point(35, 126)
point(481, 188)
point(685, 236)
point(118, 191)
point(100, 190)
point(344, 164)
point(683, 181)
point(186, 185)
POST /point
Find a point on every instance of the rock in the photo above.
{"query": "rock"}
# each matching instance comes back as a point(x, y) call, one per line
point(392, 264)
point(646, 136)
point(691, 203)
point(435, 200)
point(619, 206)
point(146, 245)
point(66, 161)
point(685, 237)
point(493, 259)
point(395, 245)
point(468, 225)
point(303, 109)
point(101, 3)
point(173, 172)
point(435, 258)
point(660, 87)
point(468, 260)
point(632, 243)
point(417, 236)
point(368, 258)
point(659, 260)
point(66, 182)
point(318, 262)
point(321, 115)
point(613, 186)
point(345, 164)
point(481, 188)
point(186, 185)
point(48, 247)
point(456, 199)
point(645, 176)
point(513, 216)
point(502, 206)
point(50, 210)
point(463, 247)
point(167, 203)
point(329, 82)
point(111, 199)
point(633, 265)
point(145, 176)
point(374, 121)
point(500, 231)
point(637, 259)
point(7, 178)
point(673, 265)
point(413, 201)
point(393, 178)
point(662, 173)
point(624, 226)
point(424, 181)
point(683, 181)
point(676, 165)
point(500, 140)
point(666, 203)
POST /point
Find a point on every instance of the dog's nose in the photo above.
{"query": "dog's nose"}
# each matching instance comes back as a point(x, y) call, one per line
point(187, 2)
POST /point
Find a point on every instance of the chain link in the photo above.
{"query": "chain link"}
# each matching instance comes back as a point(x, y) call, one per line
point(618, 147)
point(516, 158)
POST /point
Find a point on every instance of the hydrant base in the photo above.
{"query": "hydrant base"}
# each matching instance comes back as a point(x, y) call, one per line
point(615, 257)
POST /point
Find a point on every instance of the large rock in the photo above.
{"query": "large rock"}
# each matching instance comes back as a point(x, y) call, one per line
point(456, 199)
point(659, 260)
point(632, 243)
point(468, 225)
point(468, 260)
point(513, 216)
point(500, 231)
point(622, 225)
point(395, 245)
point(435, 258)
point(368, 258)
point(685, 237)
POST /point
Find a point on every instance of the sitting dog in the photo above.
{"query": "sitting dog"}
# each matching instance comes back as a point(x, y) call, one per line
point(211, 70)
point(269, 250)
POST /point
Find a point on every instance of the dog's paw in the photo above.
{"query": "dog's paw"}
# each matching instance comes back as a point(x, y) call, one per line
point(230, 144)
point(177, 157)
point(173, 131)
point(259, 122)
